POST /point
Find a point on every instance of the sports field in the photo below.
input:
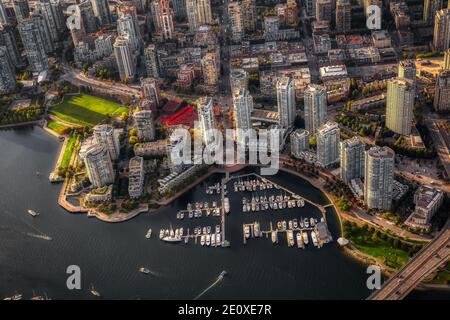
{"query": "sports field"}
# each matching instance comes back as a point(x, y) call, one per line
point(86, 110)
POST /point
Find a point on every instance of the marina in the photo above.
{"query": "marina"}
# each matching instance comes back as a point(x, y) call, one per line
point(295, 233)
point(265, 195)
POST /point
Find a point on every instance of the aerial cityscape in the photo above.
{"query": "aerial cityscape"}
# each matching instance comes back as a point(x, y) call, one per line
point(218, 149)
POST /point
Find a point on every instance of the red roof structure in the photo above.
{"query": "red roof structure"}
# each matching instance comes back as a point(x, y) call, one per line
point(185, 116)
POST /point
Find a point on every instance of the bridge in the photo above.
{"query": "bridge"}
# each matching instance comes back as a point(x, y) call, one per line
point(425, 262)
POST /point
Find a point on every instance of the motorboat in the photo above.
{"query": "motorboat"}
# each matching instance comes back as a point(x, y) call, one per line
point(314, 238)
point(144, 270)
point(305, 237)
point(306, 223)
point(274, 237)
point(218, 238)
point(247, 231)
point(33, 213)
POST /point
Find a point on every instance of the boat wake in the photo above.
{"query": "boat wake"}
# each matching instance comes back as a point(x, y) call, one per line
point(218, 280)
point(39, 234)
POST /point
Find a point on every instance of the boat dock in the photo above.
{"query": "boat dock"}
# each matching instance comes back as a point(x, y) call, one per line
point(266, 182)
point(317, 233)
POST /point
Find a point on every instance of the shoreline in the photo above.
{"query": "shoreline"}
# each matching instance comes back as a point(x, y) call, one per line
point(351, 252)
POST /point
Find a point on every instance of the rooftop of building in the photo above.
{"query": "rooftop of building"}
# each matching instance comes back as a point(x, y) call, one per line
point(381, 152)
point(426, 195)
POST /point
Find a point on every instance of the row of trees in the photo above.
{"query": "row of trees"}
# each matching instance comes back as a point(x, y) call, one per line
point(19, 115)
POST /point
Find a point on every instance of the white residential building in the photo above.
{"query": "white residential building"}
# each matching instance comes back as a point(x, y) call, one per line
point(286, 101)
point(106, 135)
point(399, 105)
point(99, 166)
point(352, 159)
point(379, 178)
point(328, 144)
point(136, 177)
point(299, 142)
point(205, 109)
point(315, 102)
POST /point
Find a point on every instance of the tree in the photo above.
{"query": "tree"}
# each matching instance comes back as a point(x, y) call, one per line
point(133, 140)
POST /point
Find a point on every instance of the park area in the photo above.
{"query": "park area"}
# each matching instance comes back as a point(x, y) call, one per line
point(370, 241)
point(86, 110)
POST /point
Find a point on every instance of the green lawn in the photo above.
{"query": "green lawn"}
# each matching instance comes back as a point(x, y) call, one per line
point(56, 126)
point(382, 247)
point(392, 257)
point(86, 110)
point(68, 152)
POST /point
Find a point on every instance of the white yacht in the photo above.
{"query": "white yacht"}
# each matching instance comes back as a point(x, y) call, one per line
point(305, 237)
point(33, 213)
point(314, 238)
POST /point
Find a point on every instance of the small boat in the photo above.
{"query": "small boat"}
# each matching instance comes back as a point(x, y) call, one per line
point(217, 228)
point(16, 296)
point(295, 223)
point(305, 237)
point(247, 231)
point(161, 233)
point(314, 238)
point(284, 224)
point(181, 215)
point(186, 239)
point(208, 240)
point(290, 224)
point(94, 292)
point(279, 225)
point(33, 213)
point(312, 222)
point(204, 230)
point(306, 222)
point(244, 208)
point(174, 238)
point(208, 229)
point(218, 238)
point(300, 203)
point(290, 238)
point(274, 237)
point(256, 229)
point(144, 270)
point(149, 234)
point(181, 231)
point(202, 240)
point(301, 223)
point(299, 240)
point(191, 214)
